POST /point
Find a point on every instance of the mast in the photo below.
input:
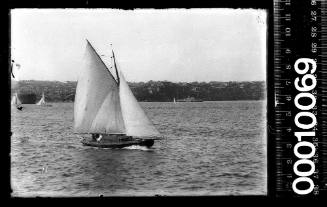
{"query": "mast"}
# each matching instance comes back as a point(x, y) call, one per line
point(113, 56)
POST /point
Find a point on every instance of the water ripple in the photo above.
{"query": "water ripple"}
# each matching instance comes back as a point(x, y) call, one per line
point(210, 148)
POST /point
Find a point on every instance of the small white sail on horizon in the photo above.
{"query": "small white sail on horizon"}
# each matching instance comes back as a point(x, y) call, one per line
point(15, 100)
point(42, 101)
point(104, 105)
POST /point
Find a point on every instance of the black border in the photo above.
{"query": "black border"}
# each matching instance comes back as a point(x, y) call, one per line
point(243, 4)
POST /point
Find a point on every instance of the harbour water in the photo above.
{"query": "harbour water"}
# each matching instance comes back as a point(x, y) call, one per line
point(209, 148)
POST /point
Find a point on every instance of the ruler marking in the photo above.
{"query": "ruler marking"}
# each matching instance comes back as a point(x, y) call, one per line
point(285, 16)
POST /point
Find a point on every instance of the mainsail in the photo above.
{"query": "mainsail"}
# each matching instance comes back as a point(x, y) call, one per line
point(104, 105)
point(97, 108)
point(42, 101)
point(15, 100)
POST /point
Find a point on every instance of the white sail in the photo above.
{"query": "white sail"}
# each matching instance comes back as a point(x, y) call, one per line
point(42, 101)
point(135, 119)
point(15, 100)
point(107, 119)
point(96, 108)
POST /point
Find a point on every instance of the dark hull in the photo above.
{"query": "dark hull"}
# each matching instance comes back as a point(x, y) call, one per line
point(117, 144)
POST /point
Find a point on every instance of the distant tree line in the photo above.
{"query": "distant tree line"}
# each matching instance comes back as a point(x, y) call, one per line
point(160, 91)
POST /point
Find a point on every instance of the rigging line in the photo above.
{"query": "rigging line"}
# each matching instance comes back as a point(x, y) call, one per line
point(113, 54)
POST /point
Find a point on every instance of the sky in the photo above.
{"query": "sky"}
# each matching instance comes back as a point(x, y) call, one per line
point(177, 45)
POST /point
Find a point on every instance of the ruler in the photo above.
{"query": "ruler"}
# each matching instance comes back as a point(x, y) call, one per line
point(298, 134)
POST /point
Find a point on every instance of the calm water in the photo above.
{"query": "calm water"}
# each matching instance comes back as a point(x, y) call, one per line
point(210, 148)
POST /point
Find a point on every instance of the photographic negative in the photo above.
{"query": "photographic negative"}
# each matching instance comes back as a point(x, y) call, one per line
point(138, 102)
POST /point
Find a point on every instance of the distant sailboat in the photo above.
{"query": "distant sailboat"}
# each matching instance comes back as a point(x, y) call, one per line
point(16, 102)
point(107, 109)
point(42, 101)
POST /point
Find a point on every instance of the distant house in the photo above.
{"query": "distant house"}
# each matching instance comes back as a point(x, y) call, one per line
point(195, 89)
